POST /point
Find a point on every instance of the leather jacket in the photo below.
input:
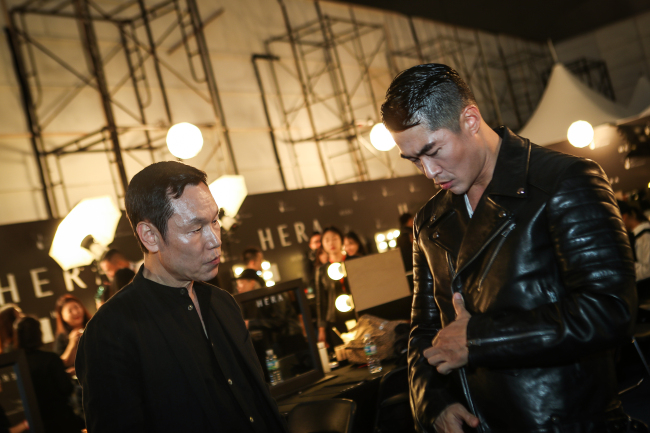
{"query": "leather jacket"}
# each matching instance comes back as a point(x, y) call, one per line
point(546, 271)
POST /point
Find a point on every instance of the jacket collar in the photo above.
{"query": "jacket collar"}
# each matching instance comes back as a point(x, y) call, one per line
point(511, 169)
point(463, 238)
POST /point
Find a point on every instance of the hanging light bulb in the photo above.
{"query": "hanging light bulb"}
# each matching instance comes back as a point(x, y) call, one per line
point(184, 140)
point(381, 138)
point(335, 271)
point(580, 133)
point(344, 303)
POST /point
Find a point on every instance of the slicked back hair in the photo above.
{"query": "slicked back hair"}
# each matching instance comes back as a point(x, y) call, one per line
point(148, 197)
point(433, 95)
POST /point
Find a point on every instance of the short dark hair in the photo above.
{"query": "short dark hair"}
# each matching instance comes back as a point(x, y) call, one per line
point(112, 254)
point(631, 209)
point(250, 254)
point(433, 95)
point(27, 333)
point(404, 218)
point(148, 197)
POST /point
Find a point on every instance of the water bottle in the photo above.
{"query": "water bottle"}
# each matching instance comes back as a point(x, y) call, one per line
point(273, 366)
point(369, 346)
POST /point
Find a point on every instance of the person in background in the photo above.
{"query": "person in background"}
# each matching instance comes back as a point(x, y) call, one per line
point(353, 246)
point(327, 290)
point(121, 279)
point(52, 385)
point(71, 320)
point(253, 259)
point(638, 228)
point(405, 243)
point(9, 313)
point(112, 261)
point(170, 353)
point(248, 281)
point(311, 260)
point(524, 277)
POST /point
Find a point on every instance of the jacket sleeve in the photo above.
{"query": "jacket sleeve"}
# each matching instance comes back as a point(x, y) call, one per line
point(107, 368)
point(427, 387)
point(595, 306)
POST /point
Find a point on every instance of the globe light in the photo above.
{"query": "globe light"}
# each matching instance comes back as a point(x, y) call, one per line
point(270, 283)
point(238, 270)
point(396, 233)
point(392, 243)
point(580, 133)
point(267, 275)
point(389, 236)
point(266, 265)
point(381, 138)
point(381, 238)
point(383, 246)
point(184, 140)
point(335, 271)
point(344, 303)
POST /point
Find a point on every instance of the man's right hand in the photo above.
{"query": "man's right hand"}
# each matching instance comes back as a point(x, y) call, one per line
point(452, 418)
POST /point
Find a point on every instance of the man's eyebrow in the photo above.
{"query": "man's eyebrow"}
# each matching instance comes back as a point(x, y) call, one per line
point(425, 149)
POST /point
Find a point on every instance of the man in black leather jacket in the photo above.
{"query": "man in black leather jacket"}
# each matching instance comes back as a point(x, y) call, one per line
point(524, 279)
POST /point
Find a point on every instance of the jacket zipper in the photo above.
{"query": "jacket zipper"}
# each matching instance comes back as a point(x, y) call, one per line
point(504, 235)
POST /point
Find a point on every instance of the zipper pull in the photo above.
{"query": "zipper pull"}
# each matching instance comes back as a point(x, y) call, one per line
point(507, 231)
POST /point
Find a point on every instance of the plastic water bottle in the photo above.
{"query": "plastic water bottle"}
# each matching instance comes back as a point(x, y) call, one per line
point(369, 346)
point(273, 366)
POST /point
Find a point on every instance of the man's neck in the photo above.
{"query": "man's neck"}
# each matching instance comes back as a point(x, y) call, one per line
point(156, 272)
point(490, 141)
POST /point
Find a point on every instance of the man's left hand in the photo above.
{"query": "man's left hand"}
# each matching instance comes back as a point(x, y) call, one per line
point(449, 348)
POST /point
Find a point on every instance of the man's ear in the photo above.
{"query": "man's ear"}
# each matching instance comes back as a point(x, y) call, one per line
point(470, 119)
point(149, 236)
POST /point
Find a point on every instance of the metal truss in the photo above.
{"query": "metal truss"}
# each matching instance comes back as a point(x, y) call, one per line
point(333, 63)
point(139, 32)
point(505, 73)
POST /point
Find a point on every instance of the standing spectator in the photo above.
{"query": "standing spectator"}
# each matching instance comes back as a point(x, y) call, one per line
point(311, 260)
point(112, 261)
point(405, 243)
point(9, 313)
point(327, 290)
point(353, 246)
point(52, 385)
point(639, 229)
point(253, 259)
point(121, 279)
point(71, 320)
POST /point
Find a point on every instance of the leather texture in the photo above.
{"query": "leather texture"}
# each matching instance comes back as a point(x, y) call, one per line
point(546, 270)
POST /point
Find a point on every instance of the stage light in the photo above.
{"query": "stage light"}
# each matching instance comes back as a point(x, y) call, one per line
point(381, 138)
point(91, 223)
point(336, 271)
point(229, 191)
point(344, 303)
point(580, 133)
point(184, 140)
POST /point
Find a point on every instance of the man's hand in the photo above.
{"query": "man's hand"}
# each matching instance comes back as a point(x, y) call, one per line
point(451, 419)
point(449, 348)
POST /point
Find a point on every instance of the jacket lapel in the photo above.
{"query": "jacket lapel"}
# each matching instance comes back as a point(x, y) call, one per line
point(492, 216)
point(449, 220)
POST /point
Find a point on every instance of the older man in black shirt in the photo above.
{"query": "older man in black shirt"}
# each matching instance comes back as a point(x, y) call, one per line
point(169, 353)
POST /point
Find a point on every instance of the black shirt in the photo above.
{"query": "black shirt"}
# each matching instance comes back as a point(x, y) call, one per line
point(234, 394)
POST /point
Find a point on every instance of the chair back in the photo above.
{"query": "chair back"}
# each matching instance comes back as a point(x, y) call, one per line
point(324, 416)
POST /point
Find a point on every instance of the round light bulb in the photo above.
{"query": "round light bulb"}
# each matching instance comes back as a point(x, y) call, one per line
point(381, 138)
point(580, 133)
point(267, 275)
point(389, 236)
point(184, 140)
point(396, 233)
point(383, 246)
point(392, 243)
point(270, 283)
point(335, 271)
point(344, 303)
point(381, 238)
point(238, 271)
point(266, 265)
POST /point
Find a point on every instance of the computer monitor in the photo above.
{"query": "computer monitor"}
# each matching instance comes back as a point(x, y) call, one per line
point(279, 318)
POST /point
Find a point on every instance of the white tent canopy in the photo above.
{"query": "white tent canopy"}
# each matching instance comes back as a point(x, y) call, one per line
point(640, 99)
point(565, 100)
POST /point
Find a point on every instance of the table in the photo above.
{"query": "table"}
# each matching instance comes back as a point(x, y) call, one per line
point(353, 382)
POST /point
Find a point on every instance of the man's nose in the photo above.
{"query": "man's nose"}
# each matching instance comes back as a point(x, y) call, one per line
point(430, 169)
point(215, 237)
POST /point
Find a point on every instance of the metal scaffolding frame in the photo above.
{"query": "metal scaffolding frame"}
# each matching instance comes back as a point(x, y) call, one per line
point(331, 63)
point(505, 73)
point(140, 46)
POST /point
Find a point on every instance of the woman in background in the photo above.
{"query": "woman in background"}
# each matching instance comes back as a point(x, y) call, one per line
point(353, 246)
point(71, 319)
point(327, 290)
point(8, 315)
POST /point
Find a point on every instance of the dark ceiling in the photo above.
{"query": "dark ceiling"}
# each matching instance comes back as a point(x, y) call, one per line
point(529, 19)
